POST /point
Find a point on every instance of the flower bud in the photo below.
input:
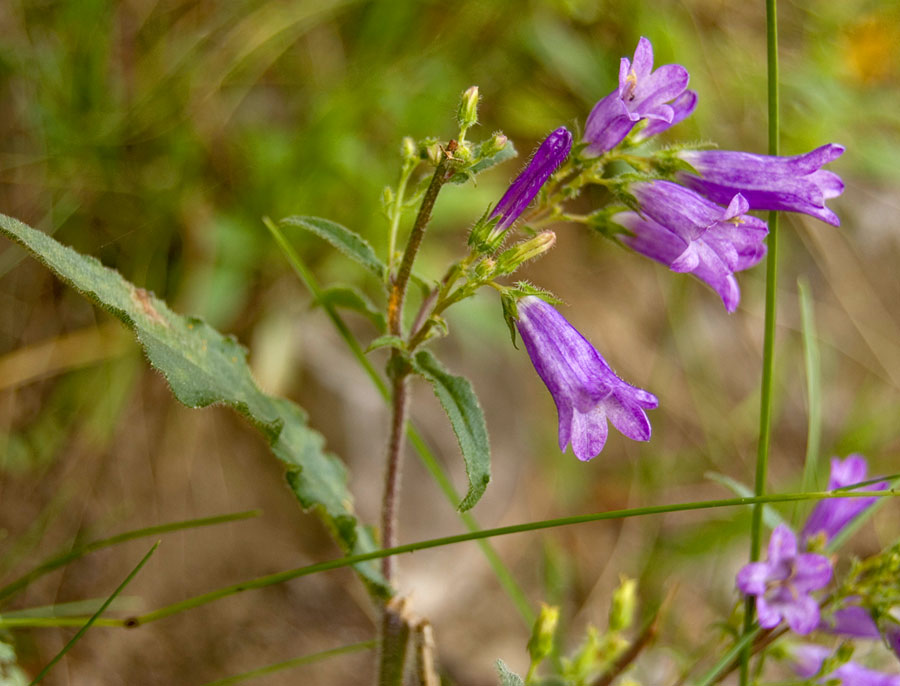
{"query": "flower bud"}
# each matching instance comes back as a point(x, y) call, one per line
point(387, 196)
point(467, 114)
point(408, 149)
point(621, 611)
point(540, 645)
point(493, 145)
point(512, 259)
point(485, 269)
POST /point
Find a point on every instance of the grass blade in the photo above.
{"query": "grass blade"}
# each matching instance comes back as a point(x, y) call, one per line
point(87, 625)
point(812, 361)
point(64, 559)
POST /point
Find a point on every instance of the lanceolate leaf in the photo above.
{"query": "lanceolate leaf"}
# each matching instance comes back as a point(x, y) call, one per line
point(351, 244)
point(351, 298)
point(466, 418)
point(204, 367)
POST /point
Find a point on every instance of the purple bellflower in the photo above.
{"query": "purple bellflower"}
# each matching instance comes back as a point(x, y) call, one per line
point(830, 516)
point(782, 583)
point(688, 233)
point(807, 661)
point(586, 391)
point(892, 637)
point(793, 184)
point(521, 192)
point(642, 94)
point(682, 107)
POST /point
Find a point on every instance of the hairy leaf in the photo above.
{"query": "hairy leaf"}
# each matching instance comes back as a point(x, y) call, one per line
point(507, 676)
point(348, 242)
point(204, 367)
point(462, 408)
point(351, 298)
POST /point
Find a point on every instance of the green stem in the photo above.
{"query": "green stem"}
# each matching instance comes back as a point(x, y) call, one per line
point(765, 404)
point(294, 662)
point(428, 459)
point(396, 214)
point(81, 551)
point(351, 560)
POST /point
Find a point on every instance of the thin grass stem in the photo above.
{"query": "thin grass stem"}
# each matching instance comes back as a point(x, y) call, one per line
point(87, 625)
point(350, 560)
point(294, 662)
point(76, 553)
point(765, 403)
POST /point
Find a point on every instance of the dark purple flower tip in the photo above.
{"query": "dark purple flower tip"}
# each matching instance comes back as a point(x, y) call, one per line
point(521, 192)
point(586, 391)
point(641, 94)
point(792, 184)
point(832, 515)
point(689, 234)
point(682, 107)
point(783, 582)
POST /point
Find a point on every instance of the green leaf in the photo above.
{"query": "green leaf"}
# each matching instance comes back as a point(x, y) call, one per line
point(508, 677)
point(348, 242)
point(204, 367)
point(507, 153)
point(813, 386)
point(462, 408)
point(770, 515)
point(387, 341)
point(350, 298)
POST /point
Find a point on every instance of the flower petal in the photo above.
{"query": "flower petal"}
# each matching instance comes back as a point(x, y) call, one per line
point(811, 572)
point(802, 615)
point(752, 578)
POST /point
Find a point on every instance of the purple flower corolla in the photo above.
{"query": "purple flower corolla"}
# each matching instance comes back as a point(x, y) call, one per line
point(521, 192)
point(586, 391)
point(783, 582)
point(807, 661)
point(892, 637)
point(831, 515)
point(793, 184)
point(682, 107)
point(642, 94)
point(690, 234)
point(851, 620)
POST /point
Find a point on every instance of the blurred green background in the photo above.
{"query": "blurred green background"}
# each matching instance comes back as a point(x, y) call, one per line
point(155, 134)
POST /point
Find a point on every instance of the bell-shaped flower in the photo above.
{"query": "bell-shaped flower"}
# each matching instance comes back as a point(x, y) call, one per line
point(682, 107)
point(642, 94)
point(586, 391)
point(783, 582)
point(689, 234)
point(792, 184)
point(831, 515)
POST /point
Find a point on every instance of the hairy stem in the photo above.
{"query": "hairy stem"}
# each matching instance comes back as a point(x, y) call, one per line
point(765, 406)
point(398, 289)
point(391, 495)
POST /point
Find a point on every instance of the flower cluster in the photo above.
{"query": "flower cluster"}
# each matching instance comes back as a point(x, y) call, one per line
point(692, 217)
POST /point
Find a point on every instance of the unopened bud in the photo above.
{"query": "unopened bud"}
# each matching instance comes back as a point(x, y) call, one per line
point(408, 149)
point(621, 611)
point(387, 196)
point(493, 145)
point(467, 114)
point(484, 269)
point(540, 645)
point(511, 259)
point(435, 153)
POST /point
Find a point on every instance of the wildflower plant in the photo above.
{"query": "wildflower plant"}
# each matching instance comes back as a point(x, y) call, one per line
point(688, 209)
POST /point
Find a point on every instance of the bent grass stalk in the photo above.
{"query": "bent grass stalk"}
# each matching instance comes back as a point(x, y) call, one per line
point(339, 563)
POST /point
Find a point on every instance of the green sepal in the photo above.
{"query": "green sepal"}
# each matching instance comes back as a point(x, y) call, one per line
point(507, 676)
point(459, 401)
